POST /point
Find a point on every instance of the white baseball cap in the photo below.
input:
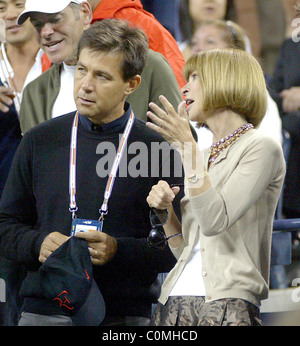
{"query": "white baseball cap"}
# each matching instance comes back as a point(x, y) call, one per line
point(44, 6)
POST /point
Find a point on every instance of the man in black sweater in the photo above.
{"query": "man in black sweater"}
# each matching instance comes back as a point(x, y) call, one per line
point(60, 175)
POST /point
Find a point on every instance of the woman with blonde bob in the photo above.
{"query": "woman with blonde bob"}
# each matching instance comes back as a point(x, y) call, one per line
point(223, 243)
point(227, 34)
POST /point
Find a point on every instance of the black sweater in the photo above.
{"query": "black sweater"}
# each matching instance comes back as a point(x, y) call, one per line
point(36, 202)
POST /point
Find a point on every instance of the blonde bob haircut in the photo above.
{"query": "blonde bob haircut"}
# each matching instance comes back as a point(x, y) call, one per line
point(231, 79)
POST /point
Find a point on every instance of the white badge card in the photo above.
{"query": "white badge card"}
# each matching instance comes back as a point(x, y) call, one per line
point(82, 225)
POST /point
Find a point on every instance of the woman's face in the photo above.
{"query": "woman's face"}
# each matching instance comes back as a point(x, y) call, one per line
point(207, 10)
point(208, 37)
point(193, 98)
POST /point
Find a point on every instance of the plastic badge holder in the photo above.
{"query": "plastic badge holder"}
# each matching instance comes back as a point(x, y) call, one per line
point(83, 225)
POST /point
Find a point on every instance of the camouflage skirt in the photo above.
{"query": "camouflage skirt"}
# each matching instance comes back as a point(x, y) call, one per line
point(193, 311)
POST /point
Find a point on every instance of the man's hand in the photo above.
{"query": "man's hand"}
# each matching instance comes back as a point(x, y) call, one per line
point(291, 99)
point(102, 246)
point(6, 98)
point(50, 244)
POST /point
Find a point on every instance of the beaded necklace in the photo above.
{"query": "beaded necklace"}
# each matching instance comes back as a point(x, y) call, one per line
point(222, 144)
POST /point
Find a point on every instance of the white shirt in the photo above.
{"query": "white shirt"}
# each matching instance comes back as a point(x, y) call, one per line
point(7, 72)
point(65, 102)
point(190, 282)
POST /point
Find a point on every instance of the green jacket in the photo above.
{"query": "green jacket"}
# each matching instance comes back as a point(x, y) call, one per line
point(157, 79)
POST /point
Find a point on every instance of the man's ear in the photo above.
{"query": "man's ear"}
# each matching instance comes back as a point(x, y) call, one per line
point(133, 84)
point(87, 13)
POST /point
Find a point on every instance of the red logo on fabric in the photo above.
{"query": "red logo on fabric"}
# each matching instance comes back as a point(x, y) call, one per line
point(87, 274)
point(63, 300)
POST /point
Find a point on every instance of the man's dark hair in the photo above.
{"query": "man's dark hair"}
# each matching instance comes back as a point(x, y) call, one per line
point(118, 36)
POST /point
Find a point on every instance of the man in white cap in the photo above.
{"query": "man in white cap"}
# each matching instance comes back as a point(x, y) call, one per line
point(60, 43)
point(59, 25)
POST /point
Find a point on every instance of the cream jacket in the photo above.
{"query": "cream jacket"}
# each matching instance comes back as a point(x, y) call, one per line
point(234, 218)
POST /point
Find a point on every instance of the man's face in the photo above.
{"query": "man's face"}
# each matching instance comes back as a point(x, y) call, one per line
point(9, 12)
point(100, 90)
point(59, 33)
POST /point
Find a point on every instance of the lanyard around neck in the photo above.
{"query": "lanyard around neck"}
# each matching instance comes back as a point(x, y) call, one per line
point(111, 179)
